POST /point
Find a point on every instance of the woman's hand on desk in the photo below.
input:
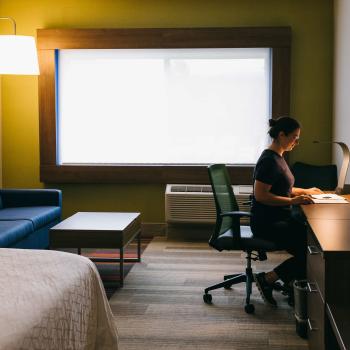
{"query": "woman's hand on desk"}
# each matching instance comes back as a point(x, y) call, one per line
point(313, 190)
point(302, 199)
point(297, 191)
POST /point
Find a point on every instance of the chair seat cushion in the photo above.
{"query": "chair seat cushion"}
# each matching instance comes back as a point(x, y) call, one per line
point(38, 216)
point(227, 241)
point(13, 231)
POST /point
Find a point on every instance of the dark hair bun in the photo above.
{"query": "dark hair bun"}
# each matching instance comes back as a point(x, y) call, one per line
point(272, 122)
point(284, 124)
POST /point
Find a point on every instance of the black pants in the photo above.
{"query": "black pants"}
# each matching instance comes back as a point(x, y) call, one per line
point(288, 234)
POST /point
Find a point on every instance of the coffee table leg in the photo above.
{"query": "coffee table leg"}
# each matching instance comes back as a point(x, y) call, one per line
point(121, 273)
point(139, 247)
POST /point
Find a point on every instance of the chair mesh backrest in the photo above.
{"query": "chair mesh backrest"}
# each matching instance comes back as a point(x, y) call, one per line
point(225, 200)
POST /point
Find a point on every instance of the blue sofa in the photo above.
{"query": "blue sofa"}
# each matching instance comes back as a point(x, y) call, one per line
point(27, 215)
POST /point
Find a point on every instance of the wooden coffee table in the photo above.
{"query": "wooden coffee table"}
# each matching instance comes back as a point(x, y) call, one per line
point(99, 230)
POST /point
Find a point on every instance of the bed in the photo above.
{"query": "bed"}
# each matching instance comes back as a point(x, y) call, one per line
point(53, 300)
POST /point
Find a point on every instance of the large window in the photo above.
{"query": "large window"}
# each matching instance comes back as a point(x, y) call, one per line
point(162, 106)
point(158, 105)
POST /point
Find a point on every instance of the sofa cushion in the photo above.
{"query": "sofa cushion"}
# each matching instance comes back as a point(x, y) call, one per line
point(39, 216)
point(13, 231)
point(30, 198)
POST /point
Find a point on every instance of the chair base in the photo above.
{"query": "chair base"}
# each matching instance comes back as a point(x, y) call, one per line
point(230, 280)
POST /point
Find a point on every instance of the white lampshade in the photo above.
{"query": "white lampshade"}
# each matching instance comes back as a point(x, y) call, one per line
point(18, 55)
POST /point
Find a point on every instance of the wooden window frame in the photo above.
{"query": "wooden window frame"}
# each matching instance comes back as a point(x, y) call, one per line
point(49, 40)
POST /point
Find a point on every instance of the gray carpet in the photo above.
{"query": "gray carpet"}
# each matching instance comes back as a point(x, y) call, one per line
point(161, 305)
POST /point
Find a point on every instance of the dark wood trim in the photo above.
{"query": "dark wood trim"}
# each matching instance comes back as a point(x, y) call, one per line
point(280, 81)
point(48, 40)
point(47, 107)
point(139, 174)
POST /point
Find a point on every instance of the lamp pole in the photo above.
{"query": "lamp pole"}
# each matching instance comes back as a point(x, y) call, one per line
point(18, 55)
point(14, 32)
point(344, 167)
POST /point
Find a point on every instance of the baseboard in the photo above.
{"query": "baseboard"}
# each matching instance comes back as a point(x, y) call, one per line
point(151, 229)
point(190, 232)
point(183, 232)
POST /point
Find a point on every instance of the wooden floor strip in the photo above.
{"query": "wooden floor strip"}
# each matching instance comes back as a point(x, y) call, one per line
point(161, 305)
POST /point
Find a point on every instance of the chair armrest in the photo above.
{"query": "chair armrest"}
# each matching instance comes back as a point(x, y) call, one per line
point(236, 213)
point(31, 197)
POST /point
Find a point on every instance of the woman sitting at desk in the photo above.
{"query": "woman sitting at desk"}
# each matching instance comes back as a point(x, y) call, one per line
point(274, 195)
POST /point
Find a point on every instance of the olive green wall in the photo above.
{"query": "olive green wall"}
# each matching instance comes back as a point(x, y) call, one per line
point(311, 94)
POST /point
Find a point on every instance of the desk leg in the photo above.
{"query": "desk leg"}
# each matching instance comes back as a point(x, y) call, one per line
point(121, 262)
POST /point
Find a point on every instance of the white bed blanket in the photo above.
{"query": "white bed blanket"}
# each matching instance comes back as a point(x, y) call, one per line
point(52, 300)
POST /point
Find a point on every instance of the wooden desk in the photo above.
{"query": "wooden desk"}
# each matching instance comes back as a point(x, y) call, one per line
point(328, 275)
point(327, 211)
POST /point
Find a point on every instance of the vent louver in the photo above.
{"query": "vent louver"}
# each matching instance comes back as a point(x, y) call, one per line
point(195, 203)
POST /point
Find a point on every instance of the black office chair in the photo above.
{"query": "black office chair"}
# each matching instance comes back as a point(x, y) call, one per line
point(322, 176)
point(229, 234)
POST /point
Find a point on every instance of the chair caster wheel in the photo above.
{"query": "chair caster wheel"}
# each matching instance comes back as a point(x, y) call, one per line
point(249, 308)
point(207, 298)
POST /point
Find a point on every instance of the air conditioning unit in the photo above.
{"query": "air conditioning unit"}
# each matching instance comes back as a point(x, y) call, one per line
point(191, 208)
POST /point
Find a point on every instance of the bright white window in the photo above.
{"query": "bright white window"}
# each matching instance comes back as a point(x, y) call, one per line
point(162, 106)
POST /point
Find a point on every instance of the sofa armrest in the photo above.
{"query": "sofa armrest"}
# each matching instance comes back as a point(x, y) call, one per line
point(30, 197)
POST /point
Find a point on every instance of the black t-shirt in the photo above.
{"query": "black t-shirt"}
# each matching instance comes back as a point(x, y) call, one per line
point(273, 170)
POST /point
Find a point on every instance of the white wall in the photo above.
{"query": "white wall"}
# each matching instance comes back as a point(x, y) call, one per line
point(341, 107)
